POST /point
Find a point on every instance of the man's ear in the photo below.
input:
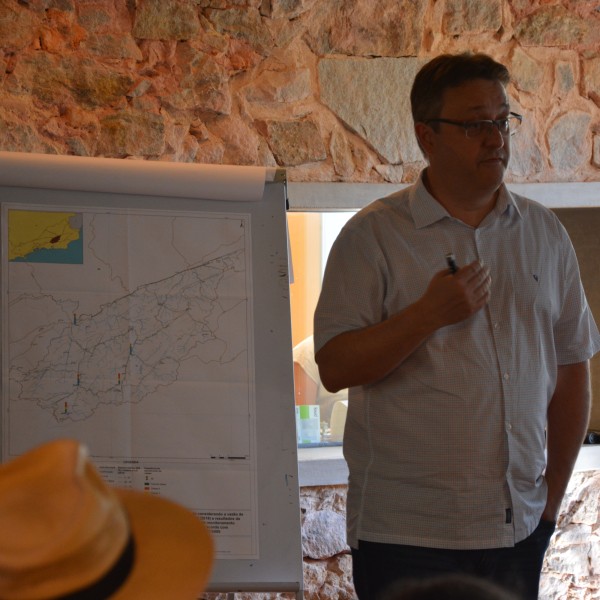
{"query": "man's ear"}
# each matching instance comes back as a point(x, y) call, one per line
point(424, 135)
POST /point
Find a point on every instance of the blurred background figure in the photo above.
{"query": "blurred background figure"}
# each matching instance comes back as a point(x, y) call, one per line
point(309, 389)
point(66, 534)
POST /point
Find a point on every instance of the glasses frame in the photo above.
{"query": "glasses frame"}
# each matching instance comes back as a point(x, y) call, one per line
point(492, 123)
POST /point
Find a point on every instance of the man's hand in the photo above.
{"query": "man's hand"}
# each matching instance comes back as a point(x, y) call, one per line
point(451, 298)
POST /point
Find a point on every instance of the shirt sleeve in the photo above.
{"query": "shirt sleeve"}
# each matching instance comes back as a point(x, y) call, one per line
point(352, 293)
point(575, 332)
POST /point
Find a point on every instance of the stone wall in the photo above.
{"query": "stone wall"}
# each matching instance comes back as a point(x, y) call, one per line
point(317, 86)
point(571, 568)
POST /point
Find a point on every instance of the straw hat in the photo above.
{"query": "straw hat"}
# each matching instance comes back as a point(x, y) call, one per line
point(64, 530)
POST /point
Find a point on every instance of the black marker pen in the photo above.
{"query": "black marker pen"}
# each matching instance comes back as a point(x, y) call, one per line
point(451, 262)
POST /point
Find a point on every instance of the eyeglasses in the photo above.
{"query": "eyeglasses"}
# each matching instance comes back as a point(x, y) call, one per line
point(475, 129)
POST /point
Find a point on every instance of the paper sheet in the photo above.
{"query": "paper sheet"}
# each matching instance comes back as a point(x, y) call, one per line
point(140, 177)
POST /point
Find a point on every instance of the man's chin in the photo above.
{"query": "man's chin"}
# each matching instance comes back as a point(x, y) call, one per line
point(494, 168)
point(491, 177)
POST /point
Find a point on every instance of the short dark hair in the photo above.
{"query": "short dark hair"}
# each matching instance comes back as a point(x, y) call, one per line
point(448, 71)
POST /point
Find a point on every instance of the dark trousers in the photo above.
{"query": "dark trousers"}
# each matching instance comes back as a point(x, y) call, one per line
point(376, 566)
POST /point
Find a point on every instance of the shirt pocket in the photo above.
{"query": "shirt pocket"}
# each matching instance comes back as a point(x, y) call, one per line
point(535, 299)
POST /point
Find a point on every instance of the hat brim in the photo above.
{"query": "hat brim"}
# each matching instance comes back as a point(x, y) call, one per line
point(173, 550)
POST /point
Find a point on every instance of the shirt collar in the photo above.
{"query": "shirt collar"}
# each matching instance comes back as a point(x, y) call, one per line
point(426, 210)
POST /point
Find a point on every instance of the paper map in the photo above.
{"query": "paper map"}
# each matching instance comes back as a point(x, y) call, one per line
point(130, 330)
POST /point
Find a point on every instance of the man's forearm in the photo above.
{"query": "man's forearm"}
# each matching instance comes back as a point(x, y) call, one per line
point(366, 355)
point(568, 418)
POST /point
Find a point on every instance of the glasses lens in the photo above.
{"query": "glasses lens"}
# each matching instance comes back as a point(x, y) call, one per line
point(513, 124)
point(475, 129)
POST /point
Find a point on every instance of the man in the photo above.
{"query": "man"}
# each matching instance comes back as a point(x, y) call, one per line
point(460, 377)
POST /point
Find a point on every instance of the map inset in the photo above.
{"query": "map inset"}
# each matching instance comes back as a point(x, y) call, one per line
point(132, 322)
point(43, 236)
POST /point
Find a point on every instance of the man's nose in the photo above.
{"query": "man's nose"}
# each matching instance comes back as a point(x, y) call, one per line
point(494, 137)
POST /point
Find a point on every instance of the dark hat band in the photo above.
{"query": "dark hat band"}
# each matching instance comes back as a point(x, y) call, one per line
point(111, 581)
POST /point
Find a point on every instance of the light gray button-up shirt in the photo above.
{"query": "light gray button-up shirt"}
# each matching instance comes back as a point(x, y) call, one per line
point(448, 450)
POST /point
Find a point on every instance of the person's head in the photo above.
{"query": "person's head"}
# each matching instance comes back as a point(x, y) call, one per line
point(450, 71)
point(461, 111)
point(66, 533)
point(450, 587)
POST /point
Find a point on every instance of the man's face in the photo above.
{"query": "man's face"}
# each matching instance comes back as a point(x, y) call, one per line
point(471, 164)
